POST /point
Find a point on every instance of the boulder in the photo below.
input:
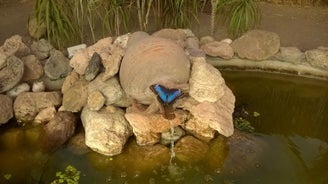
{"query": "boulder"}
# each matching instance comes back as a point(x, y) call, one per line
point(177, 35)
point(14, 46)
point(75, 97)
point(57, 66)
point(318, 57)
point(70, 80)
point(257, 45)
point(110, 89)
point(6, 109)
point(146, 127)
point(32, 68)
point(20, 88)
point(28, 104)
point(290, 54)
point(106, 131)
point(205, 82)
point(112, 62)
point(215, 115)
point(38, 86)
point(41, 49)
point(80, 61)
point(218, 49)
point(11, 73)
point(152, 60)
point(59, 130)
point(93, 67)
point(95, 100)
point(45, 115)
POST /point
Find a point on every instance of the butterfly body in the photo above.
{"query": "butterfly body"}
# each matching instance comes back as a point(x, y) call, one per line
point(166, 97)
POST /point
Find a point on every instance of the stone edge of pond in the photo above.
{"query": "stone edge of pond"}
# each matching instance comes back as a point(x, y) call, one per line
point(270, 66)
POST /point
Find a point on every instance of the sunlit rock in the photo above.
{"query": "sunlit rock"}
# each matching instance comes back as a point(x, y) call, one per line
point(6, 109)
point(318, 57)
point(28, 104)
point(20, 88)
point(189, 149)
point(206, 82)
point(112, 62)
point(257, 45)
point(80, 61)
point(59, 130)
point(11, 73)
point(221, 49)
point(106, 130)
point(213, 115)
point(38, 86)
point(32, 68)
point(75, 97)
point(146, 127)
point(199, 129)
point(95, 100)
point(122, 41)
point(45, 115)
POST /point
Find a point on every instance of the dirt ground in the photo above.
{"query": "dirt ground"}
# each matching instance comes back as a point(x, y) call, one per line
point(303, 27)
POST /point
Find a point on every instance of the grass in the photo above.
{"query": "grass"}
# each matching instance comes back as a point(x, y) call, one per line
point(72, 21)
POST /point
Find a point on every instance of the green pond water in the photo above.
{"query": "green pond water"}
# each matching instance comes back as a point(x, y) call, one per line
point(289, 145)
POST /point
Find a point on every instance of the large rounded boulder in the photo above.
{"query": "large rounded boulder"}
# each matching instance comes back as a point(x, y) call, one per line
point(151, 60)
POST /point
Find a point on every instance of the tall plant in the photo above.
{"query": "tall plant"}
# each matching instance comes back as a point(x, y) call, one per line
point(55, 14)
point(238, 15)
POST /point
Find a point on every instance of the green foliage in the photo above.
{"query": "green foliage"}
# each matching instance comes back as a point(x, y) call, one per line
point(240, 119)
point(72, 21)
point(70, 176)
point(7, 176)
point(55, 14)
point(243, 125)
point(168, 13)
point(240, 16)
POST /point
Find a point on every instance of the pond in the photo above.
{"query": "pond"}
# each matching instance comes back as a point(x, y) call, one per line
point(289, 144)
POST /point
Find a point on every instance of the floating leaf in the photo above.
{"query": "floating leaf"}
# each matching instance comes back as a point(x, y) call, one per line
point(256, 114)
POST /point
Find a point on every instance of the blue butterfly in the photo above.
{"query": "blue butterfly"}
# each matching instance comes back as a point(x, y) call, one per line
point(166, 97)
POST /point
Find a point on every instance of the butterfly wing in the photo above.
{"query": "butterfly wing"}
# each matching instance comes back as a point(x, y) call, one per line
point(166, 95)
point(173, 95)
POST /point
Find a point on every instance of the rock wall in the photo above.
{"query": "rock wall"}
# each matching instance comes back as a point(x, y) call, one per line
point(41, 85)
